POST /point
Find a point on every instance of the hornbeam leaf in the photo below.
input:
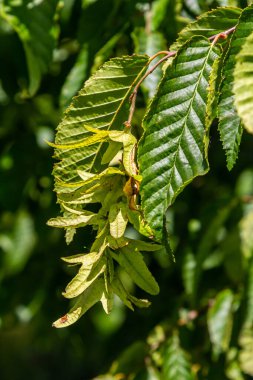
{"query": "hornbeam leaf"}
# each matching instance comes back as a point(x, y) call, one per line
point(173, 148)
point(209, 24)
point(103, 104)
point(118, 220)
point(230, 125)
point(219, 321)
point(160, 9)
point(245, 354)
point(243, 84)
point(132, 261)
point(87, 217)
point(176, 365)
point(36, 26)
point(84, 302)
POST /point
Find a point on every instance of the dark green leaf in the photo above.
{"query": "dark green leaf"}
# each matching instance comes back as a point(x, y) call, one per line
point(220, 321)
point(173, 148)
point(176, 365)
point(35, 24)
point(209, 24)
point(230, 126)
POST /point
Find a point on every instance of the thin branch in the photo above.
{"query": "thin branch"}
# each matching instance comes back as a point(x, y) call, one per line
point(222, 34)
point(166, 52)
point(133, 96)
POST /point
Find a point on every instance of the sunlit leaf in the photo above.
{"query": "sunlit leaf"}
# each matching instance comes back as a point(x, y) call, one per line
point(173, 148)
point(243, 80)
point(102, 104)
point(230, 125)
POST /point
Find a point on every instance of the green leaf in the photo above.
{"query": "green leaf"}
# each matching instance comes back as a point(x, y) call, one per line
point(159, 13)
point(176, 365)
point(35, 24)
point(209, 240)
point(173, 148)
point(84, 302)
point(245, 355)
point(243, 82)
point(150, 43)
point(219, 320)
point(132, 261)
point(230, 125)
point(17, 244)
point(188, 273)
point(209, 24)
point(103, 104)
point(118, 220)
point(107, 50)
point(246, 228)
point(248, 319)
point(75, 77)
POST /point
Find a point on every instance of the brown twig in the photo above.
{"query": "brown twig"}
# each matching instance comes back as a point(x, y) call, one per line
point(133, 96)
point(216, 37)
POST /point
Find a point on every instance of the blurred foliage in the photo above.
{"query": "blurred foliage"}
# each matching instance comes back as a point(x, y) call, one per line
point(202, 321)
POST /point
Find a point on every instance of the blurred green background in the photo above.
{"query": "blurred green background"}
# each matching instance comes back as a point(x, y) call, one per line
point(47, 49)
